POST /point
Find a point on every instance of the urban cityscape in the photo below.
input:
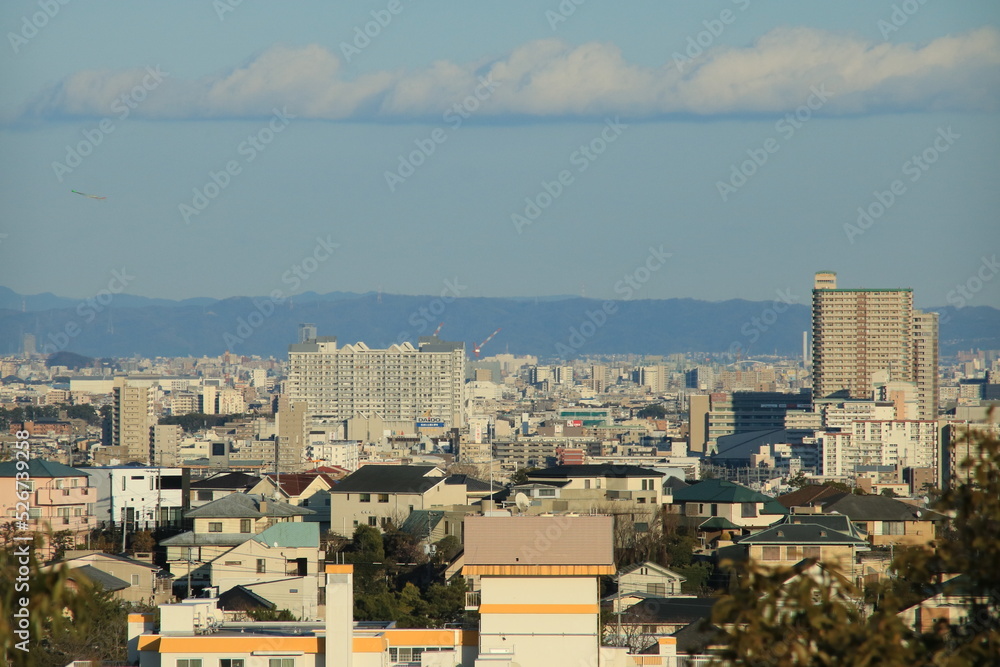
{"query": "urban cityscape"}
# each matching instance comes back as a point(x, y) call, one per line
point(399, 334)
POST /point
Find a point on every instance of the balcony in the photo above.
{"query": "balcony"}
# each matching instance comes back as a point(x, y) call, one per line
point(472, 600)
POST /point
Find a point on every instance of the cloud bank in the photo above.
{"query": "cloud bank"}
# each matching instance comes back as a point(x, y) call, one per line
point(549, 79)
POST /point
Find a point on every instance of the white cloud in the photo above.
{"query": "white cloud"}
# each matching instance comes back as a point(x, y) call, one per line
point(551, 79)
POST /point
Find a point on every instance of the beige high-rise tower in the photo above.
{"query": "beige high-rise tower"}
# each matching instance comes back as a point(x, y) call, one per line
point(132, 416)
point(859, 334)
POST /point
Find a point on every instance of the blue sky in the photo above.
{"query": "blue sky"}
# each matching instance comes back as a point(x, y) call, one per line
point(306, 137)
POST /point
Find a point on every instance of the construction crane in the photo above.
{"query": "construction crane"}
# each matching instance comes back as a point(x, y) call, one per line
point(438, 330)
point(477, 348)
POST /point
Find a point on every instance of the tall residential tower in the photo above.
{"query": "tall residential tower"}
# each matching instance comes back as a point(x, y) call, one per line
point(865, 336)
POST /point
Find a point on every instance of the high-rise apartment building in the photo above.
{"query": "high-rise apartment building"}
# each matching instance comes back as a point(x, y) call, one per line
point(132, 416)
point(400, 383)
point(860, 335)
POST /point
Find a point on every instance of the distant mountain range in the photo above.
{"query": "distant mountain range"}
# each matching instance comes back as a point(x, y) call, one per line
point(127, 325)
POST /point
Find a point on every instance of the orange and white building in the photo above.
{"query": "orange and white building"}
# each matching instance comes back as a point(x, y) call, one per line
point(536, 591)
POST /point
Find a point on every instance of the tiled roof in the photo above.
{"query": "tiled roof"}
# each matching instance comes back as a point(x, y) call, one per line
point(245, 506)
point(40, 468)
point(389, 479)
point(237, 481)
point(293, 484)
point(108, 582)
point(874, 508)
point(806, 495)
point(421, 523)
point(669, 610)
point(801, 533)
point(290, 534)
point(193, 539)
point(719, 491)
point(599, 470)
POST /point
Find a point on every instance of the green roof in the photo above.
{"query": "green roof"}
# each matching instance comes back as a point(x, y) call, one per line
point(40, 468)
point(772, 506)
point(719, 523)
point(289, 534)
point(719, 491)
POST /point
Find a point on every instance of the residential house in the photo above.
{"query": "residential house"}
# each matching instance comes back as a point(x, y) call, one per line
point(140, 582)
point(720, 509)
point(218, 527)
point(651, 579)
point(220, 485)
point(834, 540)
point(375, 495)
point(640, 486)
point(280, 565)
point(58, 498)
point(139, 496)
point(885, 521)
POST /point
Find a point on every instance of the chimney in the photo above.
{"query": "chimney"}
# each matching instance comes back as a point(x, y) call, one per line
point(262, 507)
point(339, 615)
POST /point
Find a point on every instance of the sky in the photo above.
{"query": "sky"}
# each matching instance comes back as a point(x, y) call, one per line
point(712, 150)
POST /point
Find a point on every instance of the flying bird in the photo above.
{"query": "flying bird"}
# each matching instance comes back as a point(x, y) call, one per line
point(86, 195)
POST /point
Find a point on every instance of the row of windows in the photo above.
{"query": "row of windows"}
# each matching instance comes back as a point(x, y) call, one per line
point(236, 662)
point(367, 497)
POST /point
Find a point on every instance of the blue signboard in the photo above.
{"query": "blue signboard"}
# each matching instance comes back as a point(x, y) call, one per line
point(430, 424)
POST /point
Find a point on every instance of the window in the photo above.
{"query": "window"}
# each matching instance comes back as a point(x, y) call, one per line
point(792, 553)
point(261, 566)
point(373, 521)
point(246, 525)
point(546, 493)
point(383, 497)
point(644, 485)
point(656, 589)
point(281, 662)
point(586, 483)
point(232, 662)
point(215, 527)
point(749, 510)
point(892, 528)
point(234, 562)
point(772, 553)
point(812, 552)
point(135, 579)
point(641, 501)
point(204, 495)
point(364, 497)
point(189, 662)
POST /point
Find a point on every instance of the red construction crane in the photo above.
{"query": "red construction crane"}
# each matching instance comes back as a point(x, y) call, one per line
point(438, 330)
point(477, 348)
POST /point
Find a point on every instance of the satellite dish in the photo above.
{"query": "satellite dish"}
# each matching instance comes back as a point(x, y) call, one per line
point(522, 501)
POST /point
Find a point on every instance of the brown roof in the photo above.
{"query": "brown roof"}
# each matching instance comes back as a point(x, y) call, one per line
point(807, 495)
point(539, 540)
point(293, 484)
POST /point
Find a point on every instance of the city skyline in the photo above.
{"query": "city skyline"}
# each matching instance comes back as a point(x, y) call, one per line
point(737, 148)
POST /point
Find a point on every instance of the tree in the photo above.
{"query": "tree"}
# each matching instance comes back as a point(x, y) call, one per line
point(143, 541)
point(520, 475)
point(655, 411)
point(66, 620)
point(798, 480)
point(789, 617)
